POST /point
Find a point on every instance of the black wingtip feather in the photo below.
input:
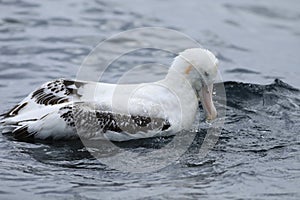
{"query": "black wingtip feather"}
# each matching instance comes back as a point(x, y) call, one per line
point(23, 134)
point(14, 111)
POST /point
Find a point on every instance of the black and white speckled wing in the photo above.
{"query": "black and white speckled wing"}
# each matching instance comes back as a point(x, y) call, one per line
point(39, 105)
point(51, 93)
point(94, 121)
point(89, 121)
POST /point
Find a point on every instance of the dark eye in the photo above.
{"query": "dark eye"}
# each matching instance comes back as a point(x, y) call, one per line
point(206, 74)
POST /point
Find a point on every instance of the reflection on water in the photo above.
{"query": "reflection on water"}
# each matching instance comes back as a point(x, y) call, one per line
point(257, 154)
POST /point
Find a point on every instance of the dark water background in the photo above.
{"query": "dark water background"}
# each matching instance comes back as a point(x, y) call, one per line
point(257, 155)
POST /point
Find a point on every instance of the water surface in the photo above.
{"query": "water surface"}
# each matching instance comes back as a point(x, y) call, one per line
point(257, 155)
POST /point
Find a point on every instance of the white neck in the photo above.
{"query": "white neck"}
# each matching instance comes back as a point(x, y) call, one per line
point(180, 85)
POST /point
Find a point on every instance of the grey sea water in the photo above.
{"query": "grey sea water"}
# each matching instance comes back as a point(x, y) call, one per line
point(257, 43)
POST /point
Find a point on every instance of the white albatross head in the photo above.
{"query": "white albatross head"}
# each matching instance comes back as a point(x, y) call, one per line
point(200, 68)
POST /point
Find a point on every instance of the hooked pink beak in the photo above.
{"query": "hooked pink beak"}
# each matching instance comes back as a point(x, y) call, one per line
point(207, 102)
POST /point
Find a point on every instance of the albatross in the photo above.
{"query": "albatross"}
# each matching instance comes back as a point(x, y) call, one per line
point(68, 109)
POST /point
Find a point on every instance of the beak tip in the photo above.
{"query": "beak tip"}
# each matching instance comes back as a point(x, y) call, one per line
point(211, 117)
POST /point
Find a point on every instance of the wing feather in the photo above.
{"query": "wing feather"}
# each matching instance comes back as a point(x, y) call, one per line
point(51, 93)
point(23, 134)
point(93, 119)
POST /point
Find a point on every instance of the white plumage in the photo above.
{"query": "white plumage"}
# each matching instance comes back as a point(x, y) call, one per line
point(66, 109)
